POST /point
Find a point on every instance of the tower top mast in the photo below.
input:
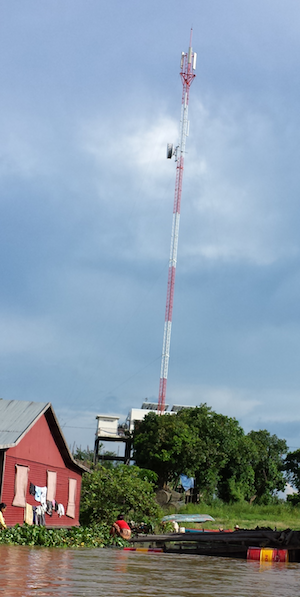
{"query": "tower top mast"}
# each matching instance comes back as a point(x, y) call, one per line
point(187, 68)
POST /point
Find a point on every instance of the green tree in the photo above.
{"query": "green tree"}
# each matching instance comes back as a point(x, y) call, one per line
point(236, 477)
point(85, 456)
point(123, 489)
point(214, 449)
point(268, 464)
point(292, 468)
point(166, 445)
point(223, 467)
point(197, 442)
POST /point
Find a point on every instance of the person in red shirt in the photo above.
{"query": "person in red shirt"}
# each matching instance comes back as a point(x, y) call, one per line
point(121, 528)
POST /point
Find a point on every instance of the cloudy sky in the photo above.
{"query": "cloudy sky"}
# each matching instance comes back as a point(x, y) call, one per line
point(90, 96)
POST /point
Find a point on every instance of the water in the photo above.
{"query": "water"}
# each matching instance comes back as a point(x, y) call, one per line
point(32, 571)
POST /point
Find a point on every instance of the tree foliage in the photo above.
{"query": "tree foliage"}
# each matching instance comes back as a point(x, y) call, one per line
point(165, 445)
point(122, 489)
point(214, 449)
point(221, 466)
point(268, 463)
point(85, 456)
point(292, 468)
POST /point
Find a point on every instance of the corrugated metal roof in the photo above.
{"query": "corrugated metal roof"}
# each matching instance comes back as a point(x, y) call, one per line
point(16, 416)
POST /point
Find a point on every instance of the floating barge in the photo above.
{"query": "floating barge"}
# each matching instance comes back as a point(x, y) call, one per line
point(259, 544)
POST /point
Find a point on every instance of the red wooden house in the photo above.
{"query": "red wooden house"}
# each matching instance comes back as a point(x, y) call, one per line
point(37, 470)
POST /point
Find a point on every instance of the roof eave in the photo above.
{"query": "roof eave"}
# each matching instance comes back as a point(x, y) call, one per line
point(61, 441)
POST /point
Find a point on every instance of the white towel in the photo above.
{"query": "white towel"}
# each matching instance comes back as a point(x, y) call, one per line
point(43, 496)
point(60, 510)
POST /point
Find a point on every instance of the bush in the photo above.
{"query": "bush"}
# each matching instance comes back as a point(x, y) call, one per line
point(123, 489)
point(94, 536)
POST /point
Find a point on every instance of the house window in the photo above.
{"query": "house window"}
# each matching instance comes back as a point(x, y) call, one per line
point(21, 482)
point(72, 497)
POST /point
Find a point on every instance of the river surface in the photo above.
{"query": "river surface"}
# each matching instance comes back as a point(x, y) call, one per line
point(33, 571)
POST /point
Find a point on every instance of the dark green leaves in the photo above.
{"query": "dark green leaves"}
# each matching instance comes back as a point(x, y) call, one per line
point(214, 449)
point(123, 489)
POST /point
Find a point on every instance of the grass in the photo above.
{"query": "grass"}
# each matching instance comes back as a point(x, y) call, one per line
point(280, 516)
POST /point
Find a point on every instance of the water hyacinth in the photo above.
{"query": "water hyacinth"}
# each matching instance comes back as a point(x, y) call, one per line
point(93, 536)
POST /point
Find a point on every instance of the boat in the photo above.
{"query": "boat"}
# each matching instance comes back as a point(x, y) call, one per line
point(194, 518)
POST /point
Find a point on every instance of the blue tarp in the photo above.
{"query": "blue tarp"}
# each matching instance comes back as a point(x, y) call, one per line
point(187, 482)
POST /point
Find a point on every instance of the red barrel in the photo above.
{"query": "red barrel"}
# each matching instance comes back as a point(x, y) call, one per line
point(282, 555)
point(267, 554)
point(253, 553)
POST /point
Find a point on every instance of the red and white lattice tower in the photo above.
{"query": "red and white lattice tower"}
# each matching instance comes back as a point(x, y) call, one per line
point(187, 68)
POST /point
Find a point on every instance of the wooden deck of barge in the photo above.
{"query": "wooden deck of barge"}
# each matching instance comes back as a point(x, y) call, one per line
point(224, 543)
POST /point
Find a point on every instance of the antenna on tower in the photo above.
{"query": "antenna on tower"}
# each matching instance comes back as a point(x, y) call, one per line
point(187, 68)
point(170, 150)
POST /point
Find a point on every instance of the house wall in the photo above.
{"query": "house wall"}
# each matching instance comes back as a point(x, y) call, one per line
point(1, 469)
point(39, 452)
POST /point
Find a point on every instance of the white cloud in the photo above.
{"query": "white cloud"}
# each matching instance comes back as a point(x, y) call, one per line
point(227, 400)
point(237, 211)
point(232, 208)
point(135, 149)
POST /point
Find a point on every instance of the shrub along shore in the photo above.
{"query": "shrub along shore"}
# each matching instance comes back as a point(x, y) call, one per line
point(94, 536)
